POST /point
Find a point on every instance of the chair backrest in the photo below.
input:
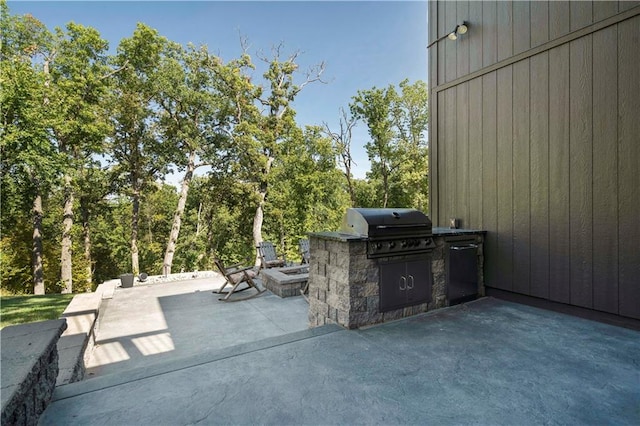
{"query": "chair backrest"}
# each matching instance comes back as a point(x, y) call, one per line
point(220, 266)
point(304, 249)
point(267, 251)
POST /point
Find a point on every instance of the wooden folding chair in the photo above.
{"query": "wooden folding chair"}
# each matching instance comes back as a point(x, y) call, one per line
point(268, 256)
point(303, 244)
point(234, 276)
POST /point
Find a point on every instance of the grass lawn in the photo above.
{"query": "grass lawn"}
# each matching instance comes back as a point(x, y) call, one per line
point(22, 309)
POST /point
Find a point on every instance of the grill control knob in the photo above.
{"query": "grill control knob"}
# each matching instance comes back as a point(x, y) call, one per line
point(404, 243)
point(392, 244)
point(378, 246)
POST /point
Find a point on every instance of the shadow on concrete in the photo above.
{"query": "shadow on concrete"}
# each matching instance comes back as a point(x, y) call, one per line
point(150, 324)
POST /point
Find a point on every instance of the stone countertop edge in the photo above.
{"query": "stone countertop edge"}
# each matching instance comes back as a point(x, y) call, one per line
point(337, 236)
point(445, 232)
point(437, 231)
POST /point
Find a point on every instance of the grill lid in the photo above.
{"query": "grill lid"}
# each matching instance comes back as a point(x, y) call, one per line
point(385, 223)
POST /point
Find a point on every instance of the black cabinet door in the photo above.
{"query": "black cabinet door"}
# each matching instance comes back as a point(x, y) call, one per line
point(418, 273)
point(393, 285)
point(404, 282)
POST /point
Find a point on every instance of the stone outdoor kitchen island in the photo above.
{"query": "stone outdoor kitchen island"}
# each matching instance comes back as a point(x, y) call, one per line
point(344, 283)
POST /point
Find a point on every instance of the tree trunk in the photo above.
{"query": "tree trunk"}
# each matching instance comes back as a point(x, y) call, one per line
point(86, 237)
point(177, 219)
point(135, 214)
point(352, 193)
point(36, 262)
point(258, 218)
point(66, 273)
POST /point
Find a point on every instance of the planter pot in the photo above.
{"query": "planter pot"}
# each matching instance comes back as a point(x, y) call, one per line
point(126, 280)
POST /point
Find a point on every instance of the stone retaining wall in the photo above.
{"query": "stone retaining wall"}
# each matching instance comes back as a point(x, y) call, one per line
point(29, 369)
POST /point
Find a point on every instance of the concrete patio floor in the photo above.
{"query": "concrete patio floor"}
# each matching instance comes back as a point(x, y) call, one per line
point(485, 362)
point(153, 323)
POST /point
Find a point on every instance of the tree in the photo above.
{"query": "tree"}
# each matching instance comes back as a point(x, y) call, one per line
point(190, 120)
point(261, 117)
point(138, 154)
point(307, 189)
point(397, 125)
point(411, 119)
point(30, 162)
point(374, 107)
point(77, 74)
point(342, 144)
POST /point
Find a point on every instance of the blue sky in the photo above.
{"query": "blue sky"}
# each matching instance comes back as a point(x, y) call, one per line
point(363, 44)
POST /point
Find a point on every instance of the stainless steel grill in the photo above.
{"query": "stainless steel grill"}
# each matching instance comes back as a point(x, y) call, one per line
point(390, 232)
point(401, 241)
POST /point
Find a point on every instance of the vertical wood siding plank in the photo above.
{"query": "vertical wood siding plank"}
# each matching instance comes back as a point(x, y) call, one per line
point(628, 161)
point(521, 179)
point(462, 154)
point(450, 158)
point(451, 48)
point(558, 19)
point(489, 181)
point(605, 170)
point(604, 9)
point(581, 14)
point(475, 154)
point(505, 29)
point(489, 33)
point(475, 37)
point(539, 139)
point(559, 252)
point(441, 180)
point(441, 45)
point(463, 41)
point(521, 26)
point(539, 23)
point(433, 112)
point(581, 171)
point(505, 178)
point(433, 51)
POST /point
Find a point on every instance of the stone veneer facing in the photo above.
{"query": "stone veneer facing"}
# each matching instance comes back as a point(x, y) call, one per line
point(344, 287)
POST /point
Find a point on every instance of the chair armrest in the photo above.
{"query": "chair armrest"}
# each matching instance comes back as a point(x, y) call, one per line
point(234, 269)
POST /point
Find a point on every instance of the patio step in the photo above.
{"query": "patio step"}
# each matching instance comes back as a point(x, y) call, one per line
point(157, 369)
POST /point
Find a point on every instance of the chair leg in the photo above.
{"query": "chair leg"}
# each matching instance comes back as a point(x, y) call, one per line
point(221, 288)
point(247, 279)
point(230, 292)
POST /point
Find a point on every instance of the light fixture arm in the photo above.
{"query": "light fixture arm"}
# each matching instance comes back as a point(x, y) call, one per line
point(453, 35)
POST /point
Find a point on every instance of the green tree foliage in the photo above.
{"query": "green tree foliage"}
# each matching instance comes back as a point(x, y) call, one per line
point(30, 162)
point(87, 140)
point(191, 119)
point(397, 122)
point(138, 154)
point(308, 194)
point(77, 84)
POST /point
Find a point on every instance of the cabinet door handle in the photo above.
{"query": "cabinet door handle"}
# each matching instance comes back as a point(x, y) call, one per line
point(465, 247)
point(403, 279)
point(411, 282)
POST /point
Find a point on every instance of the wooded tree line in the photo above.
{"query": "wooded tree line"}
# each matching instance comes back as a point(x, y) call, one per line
point(88, 139)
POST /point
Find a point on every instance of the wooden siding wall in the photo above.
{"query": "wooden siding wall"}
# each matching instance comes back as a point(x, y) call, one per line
point(535, 137)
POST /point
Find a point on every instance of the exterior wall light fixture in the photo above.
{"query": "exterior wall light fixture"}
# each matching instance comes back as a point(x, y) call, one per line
point(453, 35)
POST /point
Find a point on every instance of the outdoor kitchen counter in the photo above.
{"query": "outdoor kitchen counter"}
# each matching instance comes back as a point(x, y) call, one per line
point(345, 281)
